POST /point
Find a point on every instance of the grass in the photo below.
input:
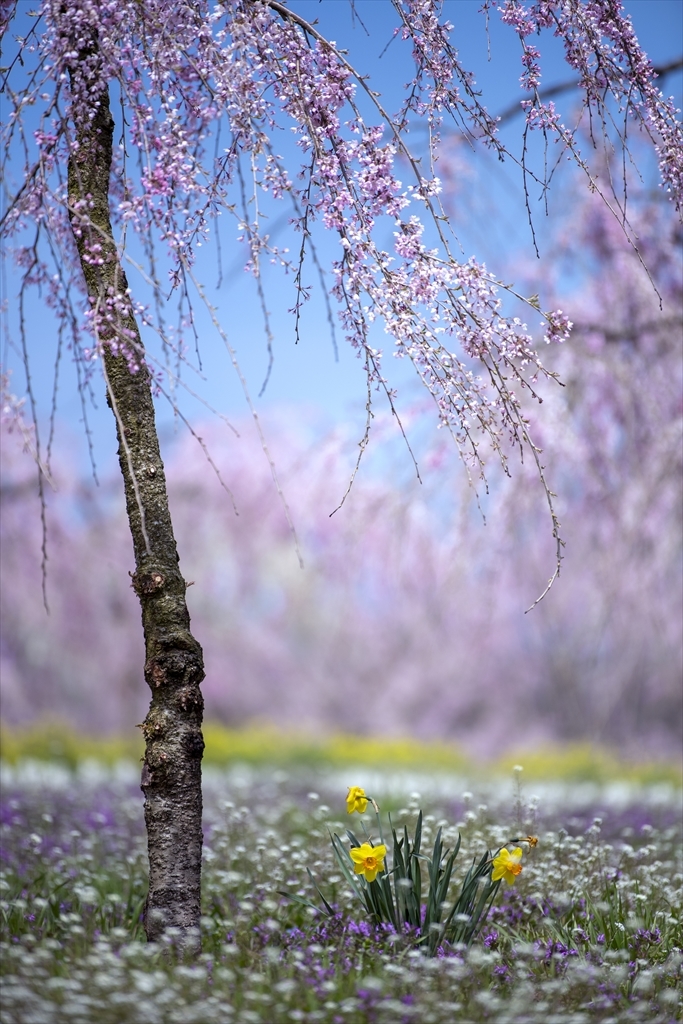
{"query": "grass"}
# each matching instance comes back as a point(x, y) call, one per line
point(591, 930)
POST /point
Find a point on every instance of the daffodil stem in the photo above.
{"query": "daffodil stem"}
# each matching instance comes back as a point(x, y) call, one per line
point(379, 824)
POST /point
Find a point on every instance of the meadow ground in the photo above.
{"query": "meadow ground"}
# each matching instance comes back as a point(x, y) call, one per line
point(591, 930)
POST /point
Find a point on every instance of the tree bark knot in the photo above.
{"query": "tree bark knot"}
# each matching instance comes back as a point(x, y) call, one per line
point(146, 583)
point(155, 673)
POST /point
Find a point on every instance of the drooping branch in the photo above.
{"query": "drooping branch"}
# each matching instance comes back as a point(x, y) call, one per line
point(187, 72)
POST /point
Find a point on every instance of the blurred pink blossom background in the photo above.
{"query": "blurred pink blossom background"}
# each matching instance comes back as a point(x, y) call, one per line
point(408, 616)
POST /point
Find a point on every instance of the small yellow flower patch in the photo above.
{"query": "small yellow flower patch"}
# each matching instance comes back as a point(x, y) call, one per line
point(507, 865)
point(368, 860)
point(356, 800)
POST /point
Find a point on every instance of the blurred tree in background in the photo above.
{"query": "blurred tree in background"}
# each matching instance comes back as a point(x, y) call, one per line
point(409, 615)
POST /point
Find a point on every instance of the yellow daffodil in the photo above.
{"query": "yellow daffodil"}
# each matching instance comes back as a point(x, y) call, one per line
point(507, 865)
point(368, 860)
point(356, 800)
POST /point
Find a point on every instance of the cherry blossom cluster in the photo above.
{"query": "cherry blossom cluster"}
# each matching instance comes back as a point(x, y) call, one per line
point(442, 84)
point(11, 408)
point(13, 421)
point(601, 46)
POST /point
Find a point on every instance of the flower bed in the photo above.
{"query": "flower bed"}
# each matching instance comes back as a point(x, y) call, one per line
point(590, 931)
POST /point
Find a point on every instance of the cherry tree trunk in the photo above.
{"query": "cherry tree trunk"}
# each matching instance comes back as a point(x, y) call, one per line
point(174, 669)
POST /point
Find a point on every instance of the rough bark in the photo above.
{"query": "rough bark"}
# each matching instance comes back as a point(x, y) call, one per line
point(171, 774)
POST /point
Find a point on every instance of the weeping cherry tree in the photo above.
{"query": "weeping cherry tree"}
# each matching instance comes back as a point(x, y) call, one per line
point(130, 126)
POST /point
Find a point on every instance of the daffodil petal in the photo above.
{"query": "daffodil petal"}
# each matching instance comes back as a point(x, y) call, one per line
point(356, 800)
point(368, 860)
point(507, 865)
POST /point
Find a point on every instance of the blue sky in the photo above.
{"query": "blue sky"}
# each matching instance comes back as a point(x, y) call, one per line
point(309, 376)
